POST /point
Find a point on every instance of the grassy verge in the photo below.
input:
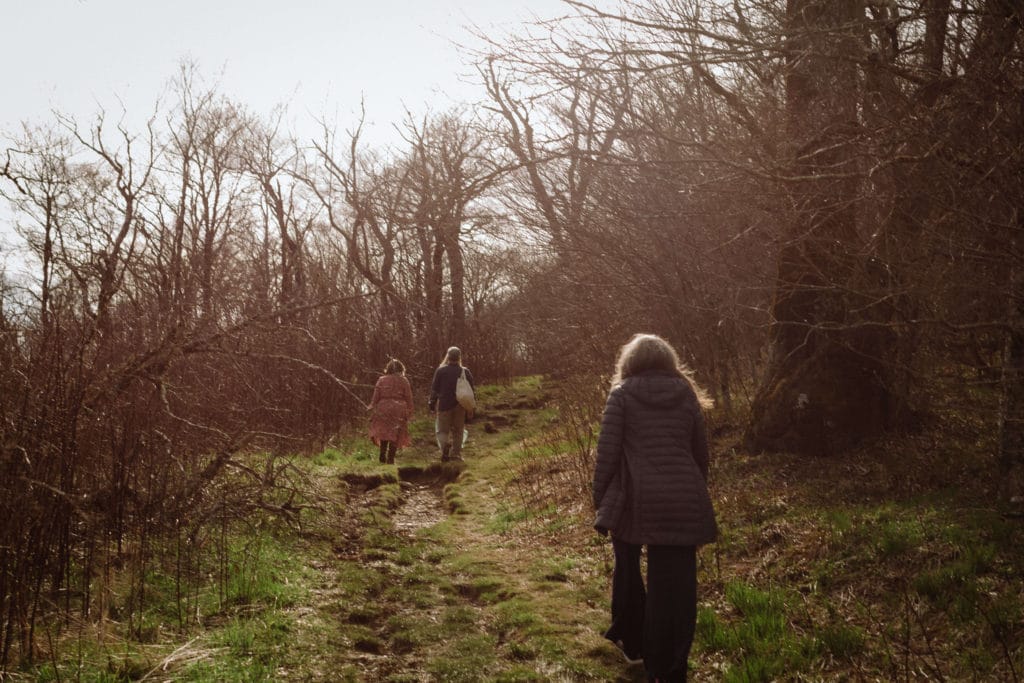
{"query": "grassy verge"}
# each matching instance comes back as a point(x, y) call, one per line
point(239, 630)
point(839, 568)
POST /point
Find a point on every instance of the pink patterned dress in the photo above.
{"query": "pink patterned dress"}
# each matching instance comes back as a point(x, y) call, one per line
point(392, 407)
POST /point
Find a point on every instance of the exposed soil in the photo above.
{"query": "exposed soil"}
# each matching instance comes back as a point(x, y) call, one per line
point(374, 649)
point(422, 506)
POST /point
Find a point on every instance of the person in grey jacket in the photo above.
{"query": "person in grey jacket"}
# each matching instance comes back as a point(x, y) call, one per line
point(650, 489)
point(451, 417)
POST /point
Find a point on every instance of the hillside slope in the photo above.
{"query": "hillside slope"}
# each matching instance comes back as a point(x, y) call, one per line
point(888, 564)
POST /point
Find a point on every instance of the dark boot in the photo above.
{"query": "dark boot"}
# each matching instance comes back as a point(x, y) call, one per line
point(383, 452)
point(444, 453)
point(392, 449)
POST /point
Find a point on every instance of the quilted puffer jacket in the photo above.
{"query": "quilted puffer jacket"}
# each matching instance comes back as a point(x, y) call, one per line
point(650, 480)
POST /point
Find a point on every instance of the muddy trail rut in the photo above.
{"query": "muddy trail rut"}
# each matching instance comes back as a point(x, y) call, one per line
point(422, 506)
point(378, 601)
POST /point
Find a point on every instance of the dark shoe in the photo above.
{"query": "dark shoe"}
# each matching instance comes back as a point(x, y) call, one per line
point(631, 658)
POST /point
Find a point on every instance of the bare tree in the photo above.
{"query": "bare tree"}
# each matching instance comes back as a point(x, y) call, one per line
point(451, 167)
point(828, 140)
point(559, 145)
point(152, 352)
point(627, 159)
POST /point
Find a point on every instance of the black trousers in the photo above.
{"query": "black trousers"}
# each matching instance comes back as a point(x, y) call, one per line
point(387, 451)
point(657, 623)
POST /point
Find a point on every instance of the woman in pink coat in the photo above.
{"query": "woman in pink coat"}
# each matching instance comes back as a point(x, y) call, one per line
point(392, 407)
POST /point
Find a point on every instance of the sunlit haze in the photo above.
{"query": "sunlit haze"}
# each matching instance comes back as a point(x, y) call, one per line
point(320, 59)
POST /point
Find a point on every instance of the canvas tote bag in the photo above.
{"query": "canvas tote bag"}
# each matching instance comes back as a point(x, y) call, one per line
point(464, 393)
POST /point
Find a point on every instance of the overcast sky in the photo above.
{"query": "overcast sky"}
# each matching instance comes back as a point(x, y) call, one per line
point(320, 56)
point(317, 56)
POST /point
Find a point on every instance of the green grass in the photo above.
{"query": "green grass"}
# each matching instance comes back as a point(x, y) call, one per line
point(556, 569)
point(450, 601)
point(468, 658)
point(519, 388)
point(823, 578)
point(95, 664)
point(897, 537)
point(758, 637)
point(507, 517)
point(361, 459)
point(261, 573)
point(240, 624)
point(842, 640)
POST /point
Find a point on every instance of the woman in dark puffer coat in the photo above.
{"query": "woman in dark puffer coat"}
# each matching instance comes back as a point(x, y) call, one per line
point(650, 488)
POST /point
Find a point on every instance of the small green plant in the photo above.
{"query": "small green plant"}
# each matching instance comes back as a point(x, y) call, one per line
point(957, 577)
point(1005, 615)
point(842, 640)
point(506, 517)
point(760, 640)
point(839, 522)
point(239, 636)
point(897, 537)
point(256, 571)
point(459, 616)
point(712, 634)
point(753, 669)
point(453, 498)
point(558, 569)
point(468, 661)
point(753, 602)
point(515, 614)
point(329, 457)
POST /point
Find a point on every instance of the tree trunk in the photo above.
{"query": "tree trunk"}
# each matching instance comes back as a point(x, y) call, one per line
point(433, 281)
point(826, 385)
point(1011, 409)
point(457, 277)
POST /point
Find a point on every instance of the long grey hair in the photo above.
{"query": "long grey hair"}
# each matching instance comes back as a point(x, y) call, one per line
point(650, 352)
